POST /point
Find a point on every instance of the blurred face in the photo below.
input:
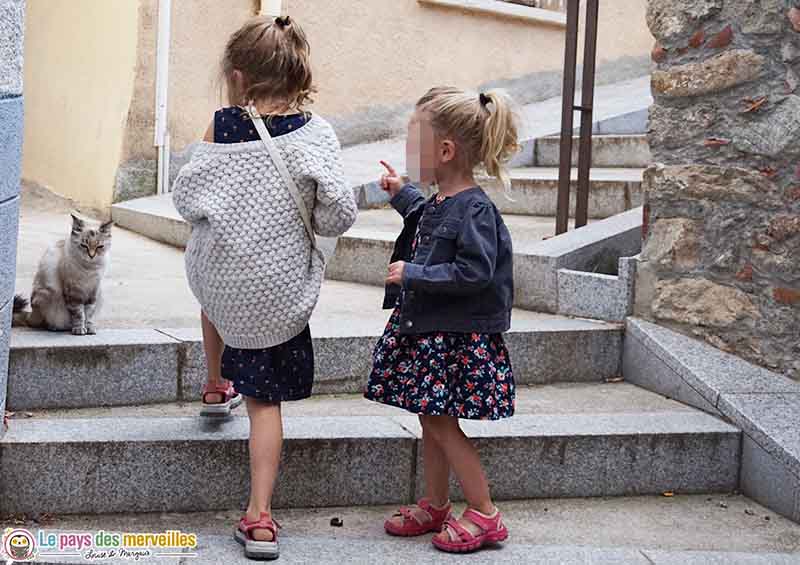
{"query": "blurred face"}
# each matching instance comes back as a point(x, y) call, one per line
point(426, 152)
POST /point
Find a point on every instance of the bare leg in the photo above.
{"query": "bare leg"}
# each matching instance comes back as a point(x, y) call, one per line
point(266, 439)
point(213, 346)
point(464, 459)
point(437, 476)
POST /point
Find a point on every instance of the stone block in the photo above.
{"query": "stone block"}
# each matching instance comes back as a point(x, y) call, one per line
point(719, 73)
point(769, 481)
point(671, 20)
point(11, 116)
point(592, 295)
point(673, 244)
point(12, 39)
point(701, 302)
point(9, 223)
point(112, 368)
point(771, 419)
point(773, 135)
point(669, 185)
point(603, 455)
point(167, 464)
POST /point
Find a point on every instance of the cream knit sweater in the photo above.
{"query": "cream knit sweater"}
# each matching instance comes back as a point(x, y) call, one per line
point(249, 260)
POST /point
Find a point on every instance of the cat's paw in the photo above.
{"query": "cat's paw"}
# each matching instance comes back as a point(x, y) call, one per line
point(91, 329)
point(79, 331)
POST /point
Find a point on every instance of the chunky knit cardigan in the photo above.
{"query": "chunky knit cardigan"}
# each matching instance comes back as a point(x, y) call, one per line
point(249, 260)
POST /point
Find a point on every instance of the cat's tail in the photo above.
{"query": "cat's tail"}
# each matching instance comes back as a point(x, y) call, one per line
point(20, 310)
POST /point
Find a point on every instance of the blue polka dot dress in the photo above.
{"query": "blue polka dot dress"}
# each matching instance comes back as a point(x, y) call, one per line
point(283, 372)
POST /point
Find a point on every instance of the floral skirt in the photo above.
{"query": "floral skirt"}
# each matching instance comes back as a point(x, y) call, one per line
point(442, 373)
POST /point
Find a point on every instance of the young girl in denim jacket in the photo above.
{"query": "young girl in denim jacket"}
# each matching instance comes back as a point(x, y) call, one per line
point(255, 206)
point(442, 355)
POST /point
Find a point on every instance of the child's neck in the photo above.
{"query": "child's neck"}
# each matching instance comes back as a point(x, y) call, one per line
point(450, 185)
point(271, 107)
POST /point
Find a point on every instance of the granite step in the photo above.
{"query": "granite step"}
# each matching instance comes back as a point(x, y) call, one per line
point(685, 530)
point(362, 454)
point(141, 366)
point(614, 151)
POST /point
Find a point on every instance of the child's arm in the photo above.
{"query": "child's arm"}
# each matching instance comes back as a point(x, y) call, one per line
point(404, 198)
point(186, 199)
point(335, 208)
point(474, 264)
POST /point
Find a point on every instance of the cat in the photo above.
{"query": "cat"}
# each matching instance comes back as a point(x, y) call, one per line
point(66, 293)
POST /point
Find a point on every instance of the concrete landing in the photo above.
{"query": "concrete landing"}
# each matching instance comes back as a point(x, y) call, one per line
point(685, 530)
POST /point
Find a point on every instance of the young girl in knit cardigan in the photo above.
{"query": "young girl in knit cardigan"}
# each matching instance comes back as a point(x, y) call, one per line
point(251, 260)
point(451, 285)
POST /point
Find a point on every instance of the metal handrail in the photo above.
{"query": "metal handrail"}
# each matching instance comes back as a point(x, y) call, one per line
point(586, 110)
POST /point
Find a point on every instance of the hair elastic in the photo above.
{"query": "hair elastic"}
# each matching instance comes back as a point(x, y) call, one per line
point(283, 22)
point(485, 100)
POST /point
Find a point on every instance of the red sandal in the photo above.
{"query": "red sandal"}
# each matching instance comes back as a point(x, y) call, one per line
point(412, 525)
point(230, 400)
point(492, 530)
point(254, 549)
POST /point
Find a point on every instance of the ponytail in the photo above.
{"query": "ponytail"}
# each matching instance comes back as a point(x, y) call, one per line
point(500, 141)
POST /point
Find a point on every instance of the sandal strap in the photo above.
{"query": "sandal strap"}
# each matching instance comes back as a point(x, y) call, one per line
point(434, 513)
point(483, 522)
point(463, 533)
point(227, 391)
point(263, 523)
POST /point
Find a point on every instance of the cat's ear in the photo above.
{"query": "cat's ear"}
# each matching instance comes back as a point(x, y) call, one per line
point(105, 228)
point(77, 224)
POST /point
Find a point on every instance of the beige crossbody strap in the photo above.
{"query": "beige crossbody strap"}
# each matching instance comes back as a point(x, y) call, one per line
point(272, 149)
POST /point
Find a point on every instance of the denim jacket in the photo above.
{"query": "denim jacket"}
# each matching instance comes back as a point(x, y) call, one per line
point(461, 279)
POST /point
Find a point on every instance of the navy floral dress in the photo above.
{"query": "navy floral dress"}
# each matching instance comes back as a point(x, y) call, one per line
point(286, 371)
point(462, 375)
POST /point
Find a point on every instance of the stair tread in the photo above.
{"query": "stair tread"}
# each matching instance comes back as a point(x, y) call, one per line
point(583, 410)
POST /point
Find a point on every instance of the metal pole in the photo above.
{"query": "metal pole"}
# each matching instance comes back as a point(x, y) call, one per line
point(162, 92)
point(587, 112)
point(568, 101)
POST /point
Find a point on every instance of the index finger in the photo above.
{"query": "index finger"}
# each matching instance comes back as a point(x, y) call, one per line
point(389, 168)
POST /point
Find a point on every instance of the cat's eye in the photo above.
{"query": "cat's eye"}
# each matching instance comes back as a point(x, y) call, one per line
point(101, 247)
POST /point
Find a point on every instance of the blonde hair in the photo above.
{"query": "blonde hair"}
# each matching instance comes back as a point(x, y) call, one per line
point(273, 56)
point(483, 126)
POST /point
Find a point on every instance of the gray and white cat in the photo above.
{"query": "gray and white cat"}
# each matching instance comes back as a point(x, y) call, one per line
point(66, 293)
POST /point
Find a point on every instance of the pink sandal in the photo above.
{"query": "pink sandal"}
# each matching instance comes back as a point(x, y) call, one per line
point(412, 526)
point(492, 531)
point(230, 400)
point(254, 549)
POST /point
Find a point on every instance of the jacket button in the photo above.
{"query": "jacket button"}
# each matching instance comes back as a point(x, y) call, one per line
point(409, 324)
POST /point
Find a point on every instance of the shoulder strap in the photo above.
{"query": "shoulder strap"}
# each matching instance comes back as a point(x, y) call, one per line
point(272, 149)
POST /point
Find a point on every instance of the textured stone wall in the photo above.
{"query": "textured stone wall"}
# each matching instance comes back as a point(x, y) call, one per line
point(11, 48)
point(721, 260)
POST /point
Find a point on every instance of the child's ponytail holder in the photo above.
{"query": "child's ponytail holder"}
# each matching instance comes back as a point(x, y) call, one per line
point(485, 100)
point(283, 22)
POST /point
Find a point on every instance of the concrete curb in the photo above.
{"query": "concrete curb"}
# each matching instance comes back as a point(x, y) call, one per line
point(130, 464)
point(764, 404)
